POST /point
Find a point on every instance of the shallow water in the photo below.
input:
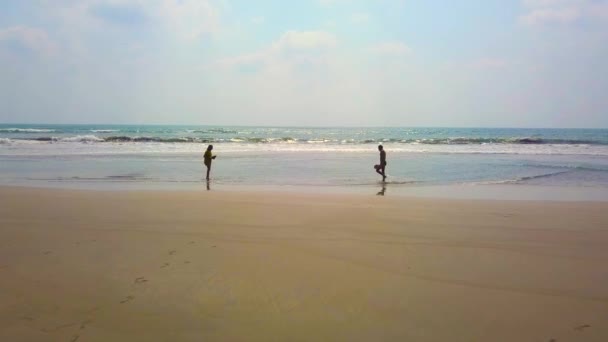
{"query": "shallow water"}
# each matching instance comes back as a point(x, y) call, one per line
point(155, 157)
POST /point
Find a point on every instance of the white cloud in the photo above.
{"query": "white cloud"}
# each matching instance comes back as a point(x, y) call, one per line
point(31, 38)
point(542, 12)
point(306, 40)
point(552, 15)
point(191, 19)
point(253, 60)
point(395, 48)
point(291, 47)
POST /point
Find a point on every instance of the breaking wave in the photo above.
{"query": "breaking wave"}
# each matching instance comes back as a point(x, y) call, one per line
point(213, 131)
point(481, 141)
point(263, 140)
point(104, 130)
point(26, 130)
point(77, 138)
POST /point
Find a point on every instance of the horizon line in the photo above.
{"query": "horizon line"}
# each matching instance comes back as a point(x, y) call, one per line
point(295, 126)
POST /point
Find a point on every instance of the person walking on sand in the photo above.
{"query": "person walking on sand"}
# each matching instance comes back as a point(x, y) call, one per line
point(380, 168)
point(208, 157)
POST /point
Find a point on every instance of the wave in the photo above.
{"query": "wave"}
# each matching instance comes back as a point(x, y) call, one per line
point(124, 138)
point(104, 130)
point(568, 167)
point(479, 141)
point(77, 138)
point(82, 138)
point(213, 130)
point(26, 130)
point(512, 140)
point(253, 140)
point(320, 140)
point(522, 179)
point(5, 141)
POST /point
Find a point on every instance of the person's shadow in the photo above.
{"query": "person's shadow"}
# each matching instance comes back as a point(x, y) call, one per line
point(383, 191)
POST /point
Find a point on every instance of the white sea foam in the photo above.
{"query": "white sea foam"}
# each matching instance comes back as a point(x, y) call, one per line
point(94, 145)
point(26, 130)
point(82, 138)
point(104, 130)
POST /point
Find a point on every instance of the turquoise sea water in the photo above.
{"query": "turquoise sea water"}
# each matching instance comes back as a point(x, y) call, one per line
point(331, 135)
point(98, 156)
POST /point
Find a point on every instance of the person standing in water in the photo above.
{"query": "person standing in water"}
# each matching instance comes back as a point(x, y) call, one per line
point(380, 168)
point(208, 157)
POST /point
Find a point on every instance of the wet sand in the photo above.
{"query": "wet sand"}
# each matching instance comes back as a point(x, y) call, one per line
point(254, 266)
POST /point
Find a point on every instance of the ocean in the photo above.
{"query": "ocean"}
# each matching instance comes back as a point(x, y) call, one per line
point(160, 157)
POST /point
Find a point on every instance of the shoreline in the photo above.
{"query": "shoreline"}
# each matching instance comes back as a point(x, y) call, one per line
point(494, 192)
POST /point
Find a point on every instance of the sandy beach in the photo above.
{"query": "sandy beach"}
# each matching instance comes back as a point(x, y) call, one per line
point(253, 266)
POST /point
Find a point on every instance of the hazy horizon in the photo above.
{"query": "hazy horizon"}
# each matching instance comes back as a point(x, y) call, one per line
point(289, 126)
point(314, 63)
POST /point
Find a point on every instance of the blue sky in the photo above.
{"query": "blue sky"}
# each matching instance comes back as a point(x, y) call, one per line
point(518, 63)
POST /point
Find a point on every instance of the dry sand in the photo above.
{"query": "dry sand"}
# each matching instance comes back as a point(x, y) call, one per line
point(186, 266)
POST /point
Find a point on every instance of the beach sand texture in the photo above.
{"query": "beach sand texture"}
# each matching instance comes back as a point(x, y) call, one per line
point(251, 266)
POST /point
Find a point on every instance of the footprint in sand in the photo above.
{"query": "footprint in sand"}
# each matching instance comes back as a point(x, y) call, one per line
point(64, 326)
point(582, 327)
point(47, 252)
point(127, 299)
point(140, 280)
point(84, 324)
point(191, 243)
point(172, 252)
point(186, 262)
point(77, 336)
point(165, 265)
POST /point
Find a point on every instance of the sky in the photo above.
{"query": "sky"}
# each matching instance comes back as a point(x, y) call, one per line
point(466, 63)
